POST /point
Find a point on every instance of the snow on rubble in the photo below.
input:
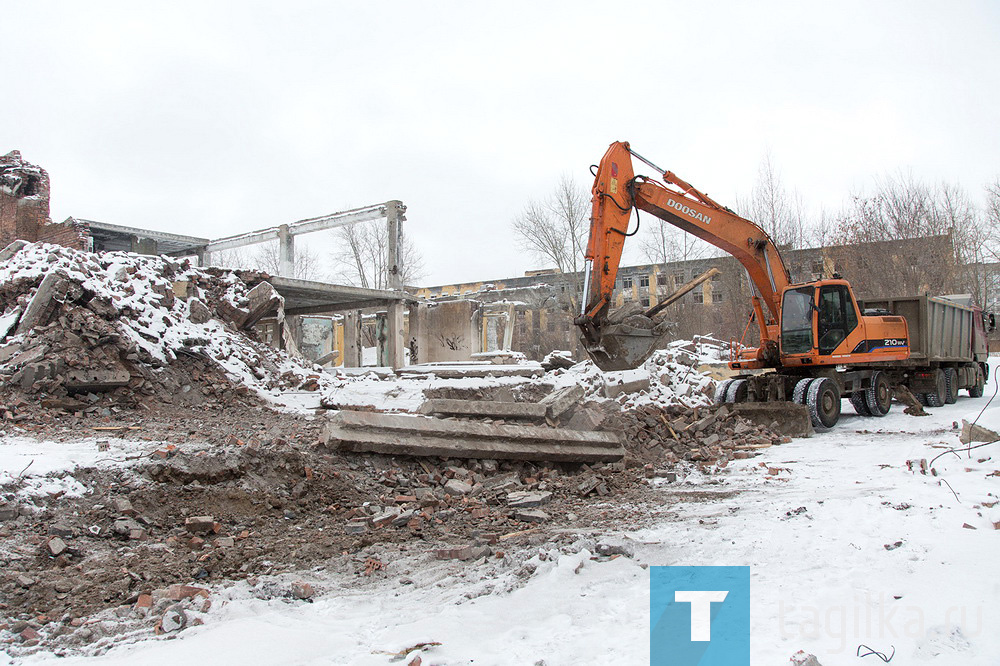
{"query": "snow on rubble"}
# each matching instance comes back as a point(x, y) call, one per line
point(670, 377)
point(96, 322)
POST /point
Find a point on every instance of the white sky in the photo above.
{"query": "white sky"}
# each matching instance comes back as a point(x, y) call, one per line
point(215, 118)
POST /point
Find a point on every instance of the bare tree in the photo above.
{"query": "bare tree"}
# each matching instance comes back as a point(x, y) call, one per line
point(363, 256)
point(901, 240)
point(555, 231)
point(264, 257)
point(770, 205)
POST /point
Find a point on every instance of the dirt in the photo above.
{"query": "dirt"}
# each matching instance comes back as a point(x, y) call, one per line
point(280, 502)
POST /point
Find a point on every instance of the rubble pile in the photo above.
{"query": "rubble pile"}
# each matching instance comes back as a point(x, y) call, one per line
point(140, 546)
point(703, 435)
point(78, 327)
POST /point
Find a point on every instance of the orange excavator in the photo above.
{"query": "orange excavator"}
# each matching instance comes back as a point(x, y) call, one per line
point(817, 344)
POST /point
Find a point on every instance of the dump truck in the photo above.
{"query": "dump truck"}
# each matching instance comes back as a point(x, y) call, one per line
point(948, 346)
point(818, 343)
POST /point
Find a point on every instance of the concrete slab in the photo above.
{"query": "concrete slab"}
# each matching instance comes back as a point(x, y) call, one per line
point(264, 300)
point(485, 409)
point(458, 371)
point(417, 436)
point(78, 381)
point(561, 401)
point(12, 249)
point(43, 304)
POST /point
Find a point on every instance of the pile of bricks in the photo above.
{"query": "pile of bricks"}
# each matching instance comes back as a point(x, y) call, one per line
point(75, 326)
point(706, 435)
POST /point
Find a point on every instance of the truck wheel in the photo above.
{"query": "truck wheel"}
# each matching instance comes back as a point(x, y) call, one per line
point(951, 385)
point(737, 391)
point(937, 397)
point(800, 391)
point(860, 404)
point(976, 390)
point(878, 397)
point(720, 391)
point(824, 402)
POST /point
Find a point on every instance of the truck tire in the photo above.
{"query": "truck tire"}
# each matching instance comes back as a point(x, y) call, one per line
point(801, 390)
point(976, 390)
point(860, 403)
point(878, 396)
point(737, 391)
point(951, 385)
point(720, 391)
point(937, 397)
point(921, 398)
point(823, 402)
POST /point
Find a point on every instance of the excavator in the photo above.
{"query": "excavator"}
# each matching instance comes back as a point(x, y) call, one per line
point(816, 343)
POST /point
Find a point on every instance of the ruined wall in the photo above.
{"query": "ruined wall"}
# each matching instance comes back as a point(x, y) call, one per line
point(443, 332)
point(24, 198)
point(24, 207)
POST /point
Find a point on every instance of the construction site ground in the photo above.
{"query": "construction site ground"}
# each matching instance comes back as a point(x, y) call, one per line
point(849, 542)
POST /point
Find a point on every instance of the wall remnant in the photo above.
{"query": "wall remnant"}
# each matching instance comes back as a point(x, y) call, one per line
point(24, 207)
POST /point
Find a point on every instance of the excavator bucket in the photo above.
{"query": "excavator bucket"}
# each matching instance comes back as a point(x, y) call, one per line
point(627, 344)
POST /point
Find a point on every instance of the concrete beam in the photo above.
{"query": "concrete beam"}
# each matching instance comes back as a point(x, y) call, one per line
point(484, 408)
point(414, 436)
point(331, 221)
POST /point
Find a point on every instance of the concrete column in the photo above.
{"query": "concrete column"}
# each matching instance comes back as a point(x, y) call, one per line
point(286, 252)
point(202, 257)
point(352, 339)
point(395, 343)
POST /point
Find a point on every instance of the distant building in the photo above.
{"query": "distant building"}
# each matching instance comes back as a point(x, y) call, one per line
point(546, 301)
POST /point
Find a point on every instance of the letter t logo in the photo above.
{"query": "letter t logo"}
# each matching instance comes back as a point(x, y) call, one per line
point(701, 610)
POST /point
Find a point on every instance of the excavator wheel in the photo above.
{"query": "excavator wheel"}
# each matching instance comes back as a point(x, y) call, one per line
point(823, 402)
point(800, 391)
point(720, 391)
point(860, 404)
point(737, 391)
point(878, 397)
point(936, 398)
point(951, 385)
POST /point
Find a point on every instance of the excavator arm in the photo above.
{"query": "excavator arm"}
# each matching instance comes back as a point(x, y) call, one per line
point(616, 191)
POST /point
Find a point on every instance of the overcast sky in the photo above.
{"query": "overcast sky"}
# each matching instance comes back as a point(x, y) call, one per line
point(215, 118)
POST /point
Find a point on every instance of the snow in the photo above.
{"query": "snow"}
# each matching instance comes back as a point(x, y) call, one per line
point(812, 518)
point(38, 468)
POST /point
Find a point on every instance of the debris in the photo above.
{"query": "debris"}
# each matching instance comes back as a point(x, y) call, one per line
point(913, 406)
point(302, 590)
point(531, 515)
point(559, 402)
point(456, 487)
point(976, 433)
point(174, 619)
point(200, 524)
point(525, 500)
point(56, 546)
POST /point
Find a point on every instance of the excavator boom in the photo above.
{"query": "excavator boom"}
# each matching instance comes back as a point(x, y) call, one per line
point(616, 191)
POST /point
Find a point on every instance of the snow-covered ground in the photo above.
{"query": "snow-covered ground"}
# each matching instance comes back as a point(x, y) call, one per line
point(847, 546)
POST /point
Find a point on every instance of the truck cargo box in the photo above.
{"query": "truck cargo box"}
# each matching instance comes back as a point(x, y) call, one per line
point(941, 330)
